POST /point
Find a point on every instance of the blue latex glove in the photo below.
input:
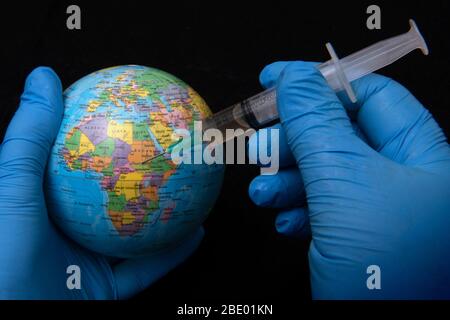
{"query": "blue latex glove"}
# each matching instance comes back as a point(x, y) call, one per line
point(34, 255)
point(380, 197)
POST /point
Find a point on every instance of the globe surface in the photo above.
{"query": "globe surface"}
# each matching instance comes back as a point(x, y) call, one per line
point(109, 185)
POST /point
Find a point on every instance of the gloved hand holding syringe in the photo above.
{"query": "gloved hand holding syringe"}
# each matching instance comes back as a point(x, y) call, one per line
point(261, 109)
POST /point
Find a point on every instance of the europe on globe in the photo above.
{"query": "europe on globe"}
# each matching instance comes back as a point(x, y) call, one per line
point(110, 185)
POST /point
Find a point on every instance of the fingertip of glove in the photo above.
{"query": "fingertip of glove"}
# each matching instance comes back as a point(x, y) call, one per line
point(300, 71)
point(283, 225)
point(290, 222)
point(43, 86)
point(254, 192)
point(270, 73)
point(263, 190)
point(42, 76)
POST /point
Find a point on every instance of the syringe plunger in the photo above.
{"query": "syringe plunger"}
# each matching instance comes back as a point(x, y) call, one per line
point(340, 72)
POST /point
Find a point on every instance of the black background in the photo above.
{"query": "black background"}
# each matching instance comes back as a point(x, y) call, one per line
point(219, 49)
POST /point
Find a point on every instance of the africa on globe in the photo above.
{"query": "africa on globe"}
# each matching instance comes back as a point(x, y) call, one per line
point(110, 185)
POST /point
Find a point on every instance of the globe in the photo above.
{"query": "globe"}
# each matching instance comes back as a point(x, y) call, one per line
point(110, 185)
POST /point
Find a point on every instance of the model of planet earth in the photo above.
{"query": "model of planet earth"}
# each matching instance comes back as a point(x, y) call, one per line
point(110, 185)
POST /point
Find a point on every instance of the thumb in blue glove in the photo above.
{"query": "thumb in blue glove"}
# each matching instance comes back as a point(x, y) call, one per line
point(376, 189)
point(34, 255)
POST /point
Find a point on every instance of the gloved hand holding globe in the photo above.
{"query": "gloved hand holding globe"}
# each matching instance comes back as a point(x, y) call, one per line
point(97, 189)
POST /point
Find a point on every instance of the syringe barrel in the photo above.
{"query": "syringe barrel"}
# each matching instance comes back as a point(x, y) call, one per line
point(253, 113)
point(261, 108)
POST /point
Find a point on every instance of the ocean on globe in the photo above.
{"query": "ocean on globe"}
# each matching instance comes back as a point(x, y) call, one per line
point(109, 185)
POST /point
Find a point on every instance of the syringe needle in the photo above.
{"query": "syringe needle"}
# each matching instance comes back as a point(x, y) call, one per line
point(168, 150)
point(154, 157)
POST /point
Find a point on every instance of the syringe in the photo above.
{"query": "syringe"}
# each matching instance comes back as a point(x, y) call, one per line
point(261, 109)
